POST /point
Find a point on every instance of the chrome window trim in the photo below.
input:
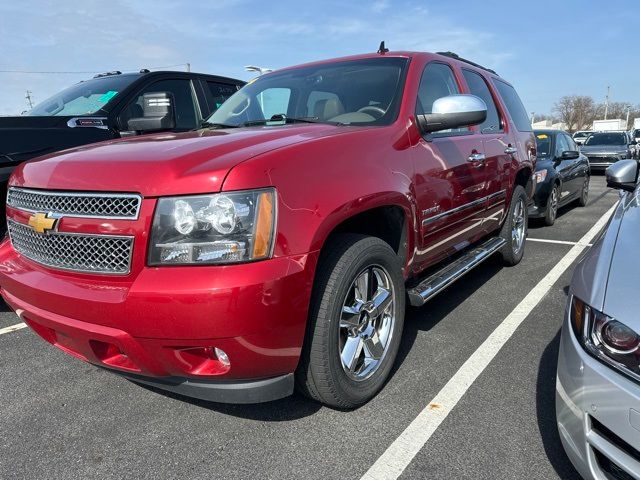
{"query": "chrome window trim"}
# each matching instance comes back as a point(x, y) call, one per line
point(461, 208)
point(53, 193)
point(90, 272)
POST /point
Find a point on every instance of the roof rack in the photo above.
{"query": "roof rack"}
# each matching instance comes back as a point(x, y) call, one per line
point(458, 57)
point(108, 74)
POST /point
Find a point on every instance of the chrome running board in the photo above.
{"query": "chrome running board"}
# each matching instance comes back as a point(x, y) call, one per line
point(438, 281)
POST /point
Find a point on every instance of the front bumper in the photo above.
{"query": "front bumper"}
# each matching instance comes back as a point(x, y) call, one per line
point(162, 327)
point(598, 414)
point(602, 162)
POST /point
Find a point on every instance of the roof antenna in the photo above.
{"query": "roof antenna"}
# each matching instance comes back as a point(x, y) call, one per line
point(382, 49)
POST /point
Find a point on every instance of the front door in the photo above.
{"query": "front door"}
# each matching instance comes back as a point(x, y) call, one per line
point(450, 176)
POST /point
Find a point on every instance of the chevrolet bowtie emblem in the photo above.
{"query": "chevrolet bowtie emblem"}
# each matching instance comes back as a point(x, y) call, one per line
point(42, 223)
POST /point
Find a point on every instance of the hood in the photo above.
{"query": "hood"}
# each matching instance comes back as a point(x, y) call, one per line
point(24, 138)
point(587, 149)
point(162, 164)
point(621, 298)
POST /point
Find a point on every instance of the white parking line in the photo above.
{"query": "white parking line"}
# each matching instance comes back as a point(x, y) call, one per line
point(402, 451)
point(559, 242)
point(12, 328)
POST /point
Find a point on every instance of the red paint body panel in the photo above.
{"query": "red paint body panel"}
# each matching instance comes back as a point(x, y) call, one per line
point(256, 312)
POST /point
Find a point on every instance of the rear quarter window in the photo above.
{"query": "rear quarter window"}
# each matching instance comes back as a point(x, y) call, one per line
point(514, 105)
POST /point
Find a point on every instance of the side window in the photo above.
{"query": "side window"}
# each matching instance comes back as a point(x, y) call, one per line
point(437, 81)
point(571, 144)
point(514, 106)
point(561, 144)
point(274, 101)
point(187, 116)
point(220, 92)
point(479, 88)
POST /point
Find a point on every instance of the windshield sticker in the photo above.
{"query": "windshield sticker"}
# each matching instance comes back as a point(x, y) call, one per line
point(107, 96)
point(542, 137)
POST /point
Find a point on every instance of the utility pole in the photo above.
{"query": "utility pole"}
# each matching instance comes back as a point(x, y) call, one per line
point(29, 99)
point(628, 112)
point(188, 67)
point(533, 118)
point(606, 103)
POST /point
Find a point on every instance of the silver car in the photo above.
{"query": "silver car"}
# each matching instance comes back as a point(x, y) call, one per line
point(598, 382)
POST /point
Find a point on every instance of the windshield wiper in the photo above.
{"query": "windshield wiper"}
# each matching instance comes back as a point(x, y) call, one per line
point(281, 117)
point(215, 125)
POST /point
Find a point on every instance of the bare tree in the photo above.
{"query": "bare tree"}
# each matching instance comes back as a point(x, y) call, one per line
point(575, 111)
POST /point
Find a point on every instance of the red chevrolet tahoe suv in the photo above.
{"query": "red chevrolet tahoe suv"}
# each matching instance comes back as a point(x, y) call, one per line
point(277, 245)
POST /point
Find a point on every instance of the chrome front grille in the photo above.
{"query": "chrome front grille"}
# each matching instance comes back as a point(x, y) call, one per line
point(71, 251)
point(76, 204)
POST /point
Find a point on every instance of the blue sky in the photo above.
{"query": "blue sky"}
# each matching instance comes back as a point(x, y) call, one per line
point(546, 48)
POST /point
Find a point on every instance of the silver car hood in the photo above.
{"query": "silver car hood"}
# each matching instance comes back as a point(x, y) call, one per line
point(603, 149)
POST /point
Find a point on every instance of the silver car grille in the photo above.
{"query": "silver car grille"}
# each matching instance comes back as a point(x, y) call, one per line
point(76, 204)
point(71, 251)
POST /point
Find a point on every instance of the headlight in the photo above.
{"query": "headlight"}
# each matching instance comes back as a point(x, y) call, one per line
point(540, 176)
point(213, 229)
point(607, 339)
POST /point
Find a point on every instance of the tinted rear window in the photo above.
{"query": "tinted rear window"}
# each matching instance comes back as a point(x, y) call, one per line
point(514, 106)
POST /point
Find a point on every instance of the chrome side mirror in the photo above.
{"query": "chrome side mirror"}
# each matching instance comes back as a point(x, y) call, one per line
point(623, 175)
point(453, 111)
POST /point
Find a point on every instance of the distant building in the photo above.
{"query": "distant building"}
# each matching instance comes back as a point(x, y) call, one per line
point(543, 124)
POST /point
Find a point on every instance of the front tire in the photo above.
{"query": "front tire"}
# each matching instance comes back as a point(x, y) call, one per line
point(355, 322)
point(514, 228)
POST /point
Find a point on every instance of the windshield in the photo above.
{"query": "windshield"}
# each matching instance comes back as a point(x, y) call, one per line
point(362, 92)
point(543, 145)
point(636, 133)
point(84, 98)
point(606, 139)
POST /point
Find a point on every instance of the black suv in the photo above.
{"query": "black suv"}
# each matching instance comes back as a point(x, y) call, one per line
point(108, 106)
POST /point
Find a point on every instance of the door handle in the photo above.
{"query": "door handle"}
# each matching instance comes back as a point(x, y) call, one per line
point(477, 157)
point(511, 150)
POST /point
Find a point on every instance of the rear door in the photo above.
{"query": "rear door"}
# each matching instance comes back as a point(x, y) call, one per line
point(449, 184)
point(498, 148)
point(570, 170)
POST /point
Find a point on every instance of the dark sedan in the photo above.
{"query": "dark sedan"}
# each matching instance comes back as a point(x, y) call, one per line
point(562, 175)
point(606, 148)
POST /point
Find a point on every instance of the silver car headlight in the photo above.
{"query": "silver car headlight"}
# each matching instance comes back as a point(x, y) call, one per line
point(221, 228)
point(606, 338)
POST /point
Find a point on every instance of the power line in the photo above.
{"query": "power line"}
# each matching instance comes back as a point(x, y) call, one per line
point(89, 72)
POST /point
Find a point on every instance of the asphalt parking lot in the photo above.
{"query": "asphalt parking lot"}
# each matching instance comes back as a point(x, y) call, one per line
point(61, 418)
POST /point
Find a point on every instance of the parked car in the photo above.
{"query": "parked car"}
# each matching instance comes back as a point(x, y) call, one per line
point(606, 148)
point(562, 175)
point(598, 381)
point(280, 241)
point(635, 136)
point(580, 136)
point(108, 106)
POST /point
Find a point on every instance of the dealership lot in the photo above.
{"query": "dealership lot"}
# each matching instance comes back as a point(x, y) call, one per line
point(60, 418)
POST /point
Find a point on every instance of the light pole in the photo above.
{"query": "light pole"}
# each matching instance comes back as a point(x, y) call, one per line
point(258, 70)
point(628, 112)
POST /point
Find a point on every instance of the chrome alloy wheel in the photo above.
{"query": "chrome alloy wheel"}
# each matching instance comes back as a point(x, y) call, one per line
point(366, 323)
point(518, 226)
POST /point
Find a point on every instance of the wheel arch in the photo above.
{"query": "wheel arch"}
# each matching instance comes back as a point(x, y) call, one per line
point(389, 217)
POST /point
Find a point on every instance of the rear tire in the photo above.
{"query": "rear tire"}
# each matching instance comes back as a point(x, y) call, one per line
point(514, 228)
point(553, 201)
point(584, 194)
point(354, 329)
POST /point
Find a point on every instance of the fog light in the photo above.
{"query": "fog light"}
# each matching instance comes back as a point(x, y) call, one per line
point(222, 357)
